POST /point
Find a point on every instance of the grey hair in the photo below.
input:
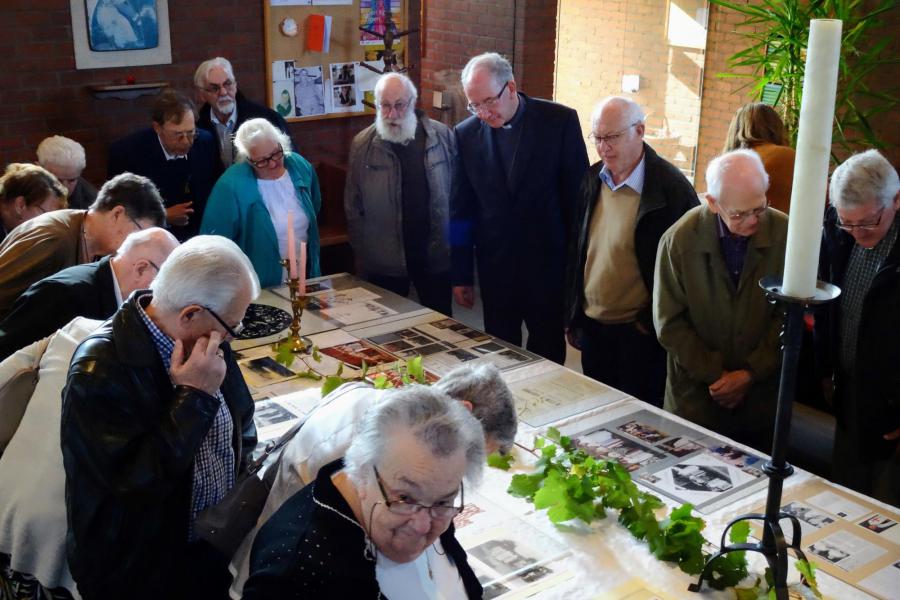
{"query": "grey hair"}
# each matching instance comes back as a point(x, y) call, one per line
point(492, 400)
point(202, 72)
point(207, 270)
point(254, 131)
point(61, 152)
point(862, 178)
point(151, 238)
point(499, 68)
point(407, 83)
point(440, 423)
point(722, 164)
point(630, 109)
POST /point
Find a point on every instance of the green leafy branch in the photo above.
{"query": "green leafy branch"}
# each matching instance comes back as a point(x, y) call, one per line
point(410, 371)
point(572, 484)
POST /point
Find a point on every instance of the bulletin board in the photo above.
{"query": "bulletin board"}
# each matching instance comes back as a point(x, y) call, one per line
point(305, 84)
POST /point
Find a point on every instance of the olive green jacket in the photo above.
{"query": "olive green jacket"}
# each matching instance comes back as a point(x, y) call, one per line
point(707, 326)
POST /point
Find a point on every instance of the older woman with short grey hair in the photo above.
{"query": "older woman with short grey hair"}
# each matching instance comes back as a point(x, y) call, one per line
point(65, 158)
point(269, 188)
point(379, 522)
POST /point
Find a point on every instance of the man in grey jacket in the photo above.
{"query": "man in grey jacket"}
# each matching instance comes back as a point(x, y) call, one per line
point(397, 195)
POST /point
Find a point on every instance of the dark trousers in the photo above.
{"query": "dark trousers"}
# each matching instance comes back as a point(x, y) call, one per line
point(546, 336)
point(433, 289)
point(621, 356)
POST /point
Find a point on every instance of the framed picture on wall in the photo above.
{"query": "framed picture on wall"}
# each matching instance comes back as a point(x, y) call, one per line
point(120, 33)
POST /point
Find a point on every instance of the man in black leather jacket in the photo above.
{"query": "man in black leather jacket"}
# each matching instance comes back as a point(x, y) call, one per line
point(157, 425)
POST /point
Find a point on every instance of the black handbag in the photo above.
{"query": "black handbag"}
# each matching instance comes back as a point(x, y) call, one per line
point(225, 525)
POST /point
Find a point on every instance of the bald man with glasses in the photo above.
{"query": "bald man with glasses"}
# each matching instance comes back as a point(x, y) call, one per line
point(627, 200)
point(177, 156)
point(719, 329)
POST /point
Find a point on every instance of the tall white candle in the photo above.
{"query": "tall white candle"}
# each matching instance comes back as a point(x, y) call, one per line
point(813, 151)
point(291, 246)
point(302, 268)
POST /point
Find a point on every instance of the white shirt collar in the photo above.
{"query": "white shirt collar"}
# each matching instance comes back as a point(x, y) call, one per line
point(635, 181)
point(116, 288)
point(166, 152)
point(229, 124)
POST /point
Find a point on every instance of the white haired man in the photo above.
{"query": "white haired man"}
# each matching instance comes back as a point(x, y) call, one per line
point(628, 199)
point(157, 425)
point(340, 416)
point(65, 158)
point(719, 330)
point(397, 196)
point(861, 255)
point(223, 109)
point(520, 162)
point(94, 290)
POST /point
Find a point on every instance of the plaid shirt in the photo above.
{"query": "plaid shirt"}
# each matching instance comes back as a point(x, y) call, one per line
point(214, 462)
point(861, 270)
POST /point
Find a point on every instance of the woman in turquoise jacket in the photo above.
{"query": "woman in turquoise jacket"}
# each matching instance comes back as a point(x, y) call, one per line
point(250, 202)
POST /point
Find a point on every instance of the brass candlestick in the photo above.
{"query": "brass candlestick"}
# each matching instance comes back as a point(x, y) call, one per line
point(299, 344)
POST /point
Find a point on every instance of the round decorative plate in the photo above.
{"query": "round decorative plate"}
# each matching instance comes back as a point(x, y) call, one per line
point(262, 320)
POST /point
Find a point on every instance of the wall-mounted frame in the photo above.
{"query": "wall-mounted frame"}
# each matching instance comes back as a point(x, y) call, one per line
point(120, 33)
point(305, 85)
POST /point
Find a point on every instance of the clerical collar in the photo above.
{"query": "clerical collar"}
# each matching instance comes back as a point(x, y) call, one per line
point(516, 118)
point(166, 152)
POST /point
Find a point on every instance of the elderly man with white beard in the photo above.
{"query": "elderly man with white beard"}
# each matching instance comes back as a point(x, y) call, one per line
point(397, 197)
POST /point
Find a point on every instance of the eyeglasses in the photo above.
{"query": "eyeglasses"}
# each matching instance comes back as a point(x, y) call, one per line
point(135, 223)
point(477, 107)
point(234, 332)
point(397, 106)
point(407, 509)
point(262, 162)
point(848, 227)
point(156, 266)
point(738, 216)
point(215, 88)
point(613, 138)
point(68, 180)
point(181, 135)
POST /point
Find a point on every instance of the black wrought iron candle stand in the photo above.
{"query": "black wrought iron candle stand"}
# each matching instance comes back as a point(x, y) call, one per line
point(773, 546)
point(299, 344)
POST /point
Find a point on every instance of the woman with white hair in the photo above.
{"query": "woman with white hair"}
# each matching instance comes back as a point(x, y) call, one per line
point(379, 522)
point(65, 158)
point(251, 202)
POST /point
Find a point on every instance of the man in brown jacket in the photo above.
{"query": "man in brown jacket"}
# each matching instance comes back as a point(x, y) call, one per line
point(720, 332)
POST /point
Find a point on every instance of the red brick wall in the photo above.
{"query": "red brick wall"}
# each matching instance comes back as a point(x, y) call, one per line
point(41, 93)
point(524, 31)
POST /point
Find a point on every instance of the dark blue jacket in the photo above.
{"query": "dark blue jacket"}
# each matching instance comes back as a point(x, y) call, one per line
point(178, 180)
point(518, 231)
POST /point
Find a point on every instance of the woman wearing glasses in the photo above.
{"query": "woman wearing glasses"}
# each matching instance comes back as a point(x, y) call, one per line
point(251, 201)
point(378, 523)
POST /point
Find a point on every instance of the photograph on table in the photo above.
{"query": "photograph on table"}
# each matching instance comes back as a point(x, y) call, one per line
point(354, 353)
point(735, 456)
point(811, 519)
point(558, 394)
point(838, 505)
point(881, 524)
point(683, 466)
point(607, 445)
point(845, 550)
point(699, 479)
point(274, 416)
point(350, 314)
point(263, 371)
point(330, 298)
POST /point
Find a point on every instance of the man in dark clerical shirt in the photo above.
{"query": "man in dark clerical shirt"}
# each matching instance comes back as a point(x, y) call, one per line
point(179, 158)
point(397, 196)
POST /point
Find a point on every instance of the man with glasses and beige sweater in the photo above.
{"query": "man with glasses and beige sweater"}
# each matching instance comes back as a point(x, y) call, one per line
point(627, 200)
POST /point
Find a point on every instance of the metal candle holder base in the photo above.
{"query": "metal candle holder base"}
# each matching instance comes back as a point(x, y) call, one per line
point(773, 546)
point(299, 344)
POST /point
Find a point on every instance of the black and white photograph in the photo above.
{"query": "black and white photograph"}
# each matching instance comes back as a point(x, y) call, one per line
point(343, 98)
point(679, 446)
point(265, 371)
point(488, 348)
point(845, 550)
point(810, 518)
point(506, 557)
point(700, 479)
point(309, 91)
point(267, 414)
point(462, 355)
point(611, 446)
point(642, 432)
point(343, 73)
